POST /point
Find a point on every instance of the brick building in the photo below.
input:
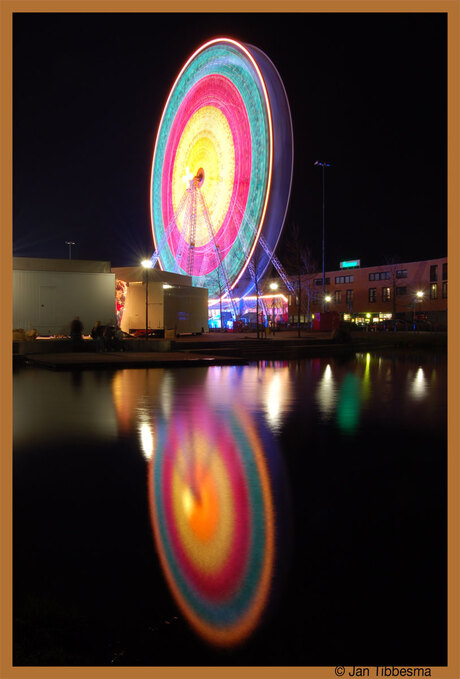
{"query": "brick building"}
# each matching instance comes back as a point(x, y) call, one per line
point(376, 293)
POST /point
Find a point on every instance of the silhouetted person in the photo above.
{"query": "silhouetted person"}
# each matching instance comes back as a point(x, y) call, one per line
point(118, 338)
point(96, 334)
point(76, 330)
point(108, 337)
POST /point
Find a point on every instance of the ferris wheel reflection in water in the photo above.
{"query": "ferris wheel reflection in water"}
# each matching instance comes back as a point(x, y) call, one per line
point(215, 481)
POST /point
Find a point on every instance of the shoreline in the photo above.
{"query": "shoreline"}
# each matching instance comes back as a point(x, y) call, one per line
point(216, 349)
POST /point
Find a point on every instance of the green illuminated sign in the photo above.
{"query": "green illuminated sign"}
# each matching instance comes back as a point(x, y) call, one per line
point(351, 264)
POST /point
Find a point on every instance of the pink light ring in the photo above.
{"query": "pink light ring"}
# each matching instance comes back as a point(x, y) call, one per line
point(218, 586)
point(232, 106)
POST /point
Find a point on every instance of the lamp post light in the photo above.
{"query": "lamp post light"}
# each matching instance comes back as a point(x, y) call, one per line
point(326, 300)
point(323, 164)
point(418, 298)
point(273, 287)
point(70, 243)
point(147, 264)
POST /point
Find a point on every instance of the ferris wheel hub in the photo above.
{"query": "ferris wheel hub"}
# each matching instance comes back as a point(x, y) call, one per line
point(198, 179)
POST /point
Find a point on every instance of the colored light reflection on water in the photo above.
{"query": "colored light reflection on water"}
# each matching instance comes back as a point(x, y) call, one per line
point(152, 504)
point(212, 514)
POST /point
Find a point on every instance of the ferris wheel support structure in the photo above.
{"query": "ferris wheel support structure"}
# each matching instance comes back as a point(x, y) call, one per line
point(270, 254)
point(216, 249)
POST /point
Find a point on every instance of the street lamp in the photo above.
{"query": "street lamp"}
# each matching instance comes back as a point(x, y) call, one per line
point(70, 243)
point(323, 164)
point(418, 298)
point(326, 300)
point(147, 264)
point(273, 286)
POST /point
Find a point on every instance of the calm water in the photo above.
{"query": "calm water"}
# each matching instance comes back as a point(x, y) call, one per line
point(272, 514)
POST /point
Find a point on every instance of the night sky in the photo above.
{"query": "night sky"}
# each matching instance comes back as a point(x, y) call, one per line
point(367, 93)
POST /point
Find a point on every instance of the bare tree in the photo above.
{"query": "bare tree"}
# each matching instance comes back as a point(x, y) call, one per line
point(217, 280)
point(300, 263)
point(255, 271)
point(392, 261)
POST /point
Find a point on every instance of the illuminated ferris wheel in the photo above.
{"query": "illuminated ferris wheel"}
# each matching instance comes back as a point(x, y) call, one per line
point(222, 168)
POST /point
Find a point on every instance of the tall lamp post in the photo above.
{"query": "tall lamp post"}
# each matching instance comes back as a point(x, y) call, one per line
point(273, 287)
point(418, 298)
point(147, 264)
point(323, 164)
point(70, 243)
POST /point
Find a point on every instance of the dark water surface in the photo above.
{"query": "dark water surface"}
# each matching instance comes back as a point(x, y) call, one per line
point(273, 514)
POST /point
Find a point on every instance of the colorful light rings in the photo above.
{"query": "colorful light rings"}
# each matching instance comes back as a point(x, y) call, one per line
point(212, 513)
point(217, 118)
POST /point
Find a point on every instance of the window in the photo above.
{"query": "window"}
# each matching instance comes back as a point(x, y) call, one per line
point(434, 272)
point(401, 290)
point(379, 276)
point(338, 296)
point(402, 273)
point(444, 290)
point(444, 272)
point(343, 279)
point(372, 294)
point(349, 297)
point(434, 291)
point(386, 294)
point(319, 281)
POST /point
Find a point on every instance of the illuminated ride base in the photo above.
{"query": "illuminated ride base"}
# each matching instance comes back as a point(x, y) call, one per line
point(222, 169)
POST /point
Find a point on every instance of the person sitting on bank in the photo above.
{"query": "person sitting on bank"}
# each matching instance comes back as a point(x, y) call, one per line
point(76, 331)
point(96, 334)
point(108, 337)
point(117, 338)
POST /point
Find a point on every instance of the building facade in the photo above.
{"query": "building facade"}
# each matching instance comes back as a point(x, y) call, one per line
point(49, 293)
point(377, 293)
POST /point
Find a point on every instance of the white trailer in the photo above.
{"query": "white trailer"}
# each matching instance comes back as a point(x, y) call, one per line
point(49, 293)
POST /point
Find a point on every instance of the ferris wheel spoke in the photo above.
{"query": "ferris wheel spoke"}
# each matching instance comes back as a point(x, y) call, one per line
point(217, 251)
point(169, 228)
point(183, 236)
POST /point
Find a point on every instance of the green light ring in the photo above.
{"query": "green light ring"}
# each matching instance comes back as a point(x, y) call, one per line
point(226, 60)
